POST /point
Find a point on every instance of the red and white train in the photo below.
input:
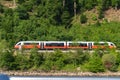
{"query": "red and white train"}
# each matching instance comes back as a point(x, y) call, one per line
point(44, 45)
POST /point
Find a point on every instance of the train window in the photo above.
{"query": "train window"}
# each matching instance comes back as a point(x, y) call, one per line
point(103, 44)
point(112, 44)
point(19, 44)
point(26, 43)
point(83, 45)
point(73, 44)
point(100, 44)
point(96, 43)
point(31, 43)
point(78, 44)
point(55, 44)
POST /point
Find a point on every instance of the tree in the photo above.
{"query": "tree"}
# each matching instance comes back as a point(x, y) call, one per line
point(95, 64)
point(36, 59)
point(36, 2)
point(75, 6)
point(63, 3)
point(21, 62)
point(116, 3)
point(65, 18)
point(22, 13)
point(1, 8)
point(54, 61)
point(7, 60)
point(21, 1)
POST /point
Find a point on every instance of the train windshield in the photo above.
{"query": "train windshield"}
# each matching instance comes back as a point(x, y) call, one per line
point(112, 44)
point(18, 43)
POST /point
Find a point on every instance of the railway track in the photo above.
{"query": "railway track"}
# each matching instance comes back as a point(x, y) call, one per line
point(67, 51)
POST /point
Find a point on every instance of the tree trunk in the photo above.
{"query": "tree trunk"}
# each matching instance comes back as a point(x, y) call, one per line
point(75, 8)
point(63, 3)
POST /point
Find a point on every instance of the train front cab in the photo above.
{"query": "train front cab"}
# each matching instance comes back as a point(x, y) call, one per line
point(112, 45)
point(27, 45)
point(103, 45)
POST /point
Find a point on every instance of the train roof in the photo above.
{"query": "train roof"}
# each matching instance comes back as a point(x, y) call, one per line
point(67, 41)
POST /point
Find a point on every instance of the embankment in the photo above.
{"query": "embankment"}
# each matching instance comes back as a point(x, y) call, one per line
point(36, 73)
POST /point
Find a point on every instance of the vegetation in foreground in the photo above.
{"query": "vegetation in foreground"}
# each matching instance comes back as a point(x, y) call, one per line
point(98, 61)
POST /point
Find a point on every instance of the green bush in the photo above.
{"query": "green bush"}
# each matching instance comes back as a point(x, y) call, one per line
point(35, 58)
point(95, 64)
point(54, 61)
point(22, 62)
point(6, 60)
point(83, 18)
point(1, 8)
point(109, 61)
point(94, 18)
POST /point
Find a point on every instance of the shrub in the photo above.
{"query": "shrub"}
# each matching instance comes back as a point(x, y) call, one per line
point(21, 62)
point(94, 18)
point(6, 60)
point(36, 58)
point(1, 8)
point(83, 18)
point(95, 64)
point(54, 61)
point(109, 61)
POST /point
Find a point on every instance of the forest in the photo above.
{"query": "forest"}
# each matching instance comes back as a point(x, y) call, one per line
point(58, 20)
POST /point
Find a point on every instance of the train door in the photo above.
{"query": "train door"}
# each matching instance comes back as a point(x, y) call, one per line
point(20, 45)
point(90, 45)
point(42, 45)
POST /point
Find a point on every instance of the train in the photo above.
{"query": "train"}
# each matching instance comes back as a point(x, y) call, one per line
point(51, 45)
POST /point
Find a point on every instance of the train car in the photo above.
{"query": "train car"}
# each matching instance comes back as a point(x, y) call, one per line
point(103, 45)
point(79, 44)
point(42, 45)
point(89, 45)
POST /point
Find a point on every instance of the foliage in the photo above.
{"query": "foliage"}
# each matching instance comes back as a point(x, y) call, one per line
point(109, 61)
point(21, 62)
point(83, 18)
point(95, 64)
point(1, 8)
point(6, 60)
point(54, 61)
point(36, 58)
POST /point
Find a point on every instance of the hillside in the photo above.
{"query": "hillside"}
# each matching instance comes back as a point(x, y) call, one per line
point(59, 20)
point(9, 4)
point(110, 14)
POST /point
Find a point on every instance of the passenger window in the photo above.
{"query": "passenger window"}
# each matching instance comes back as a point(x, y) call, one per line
point(102, 44)
point(55, 44)
point(26, 43)
point(83, 44)
point(73, 44)
point(31, 43)
point(111, 44)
